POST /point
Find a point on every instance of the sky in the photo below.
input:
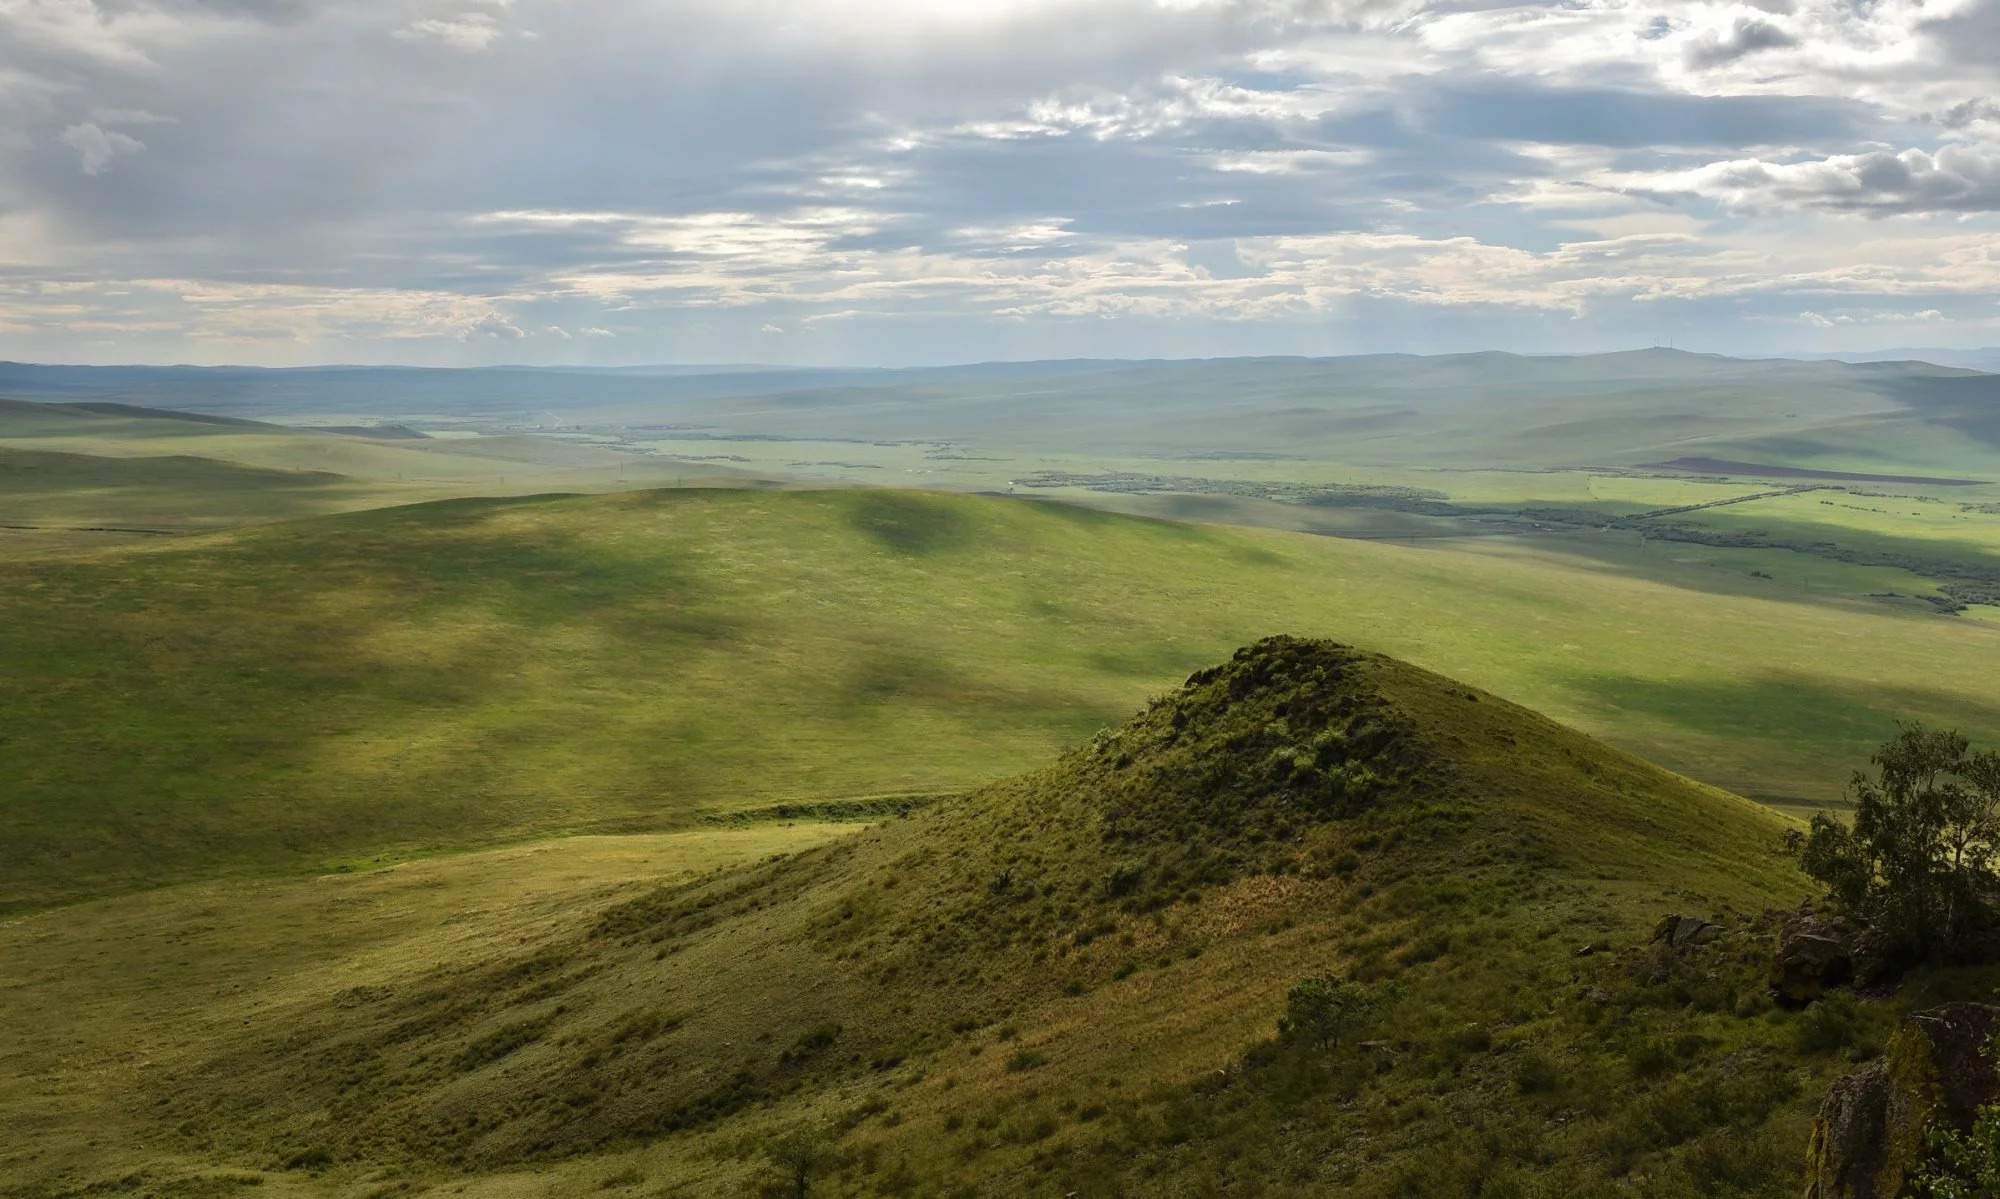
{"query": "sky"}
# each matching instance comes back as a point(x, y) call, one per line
point(456, 182)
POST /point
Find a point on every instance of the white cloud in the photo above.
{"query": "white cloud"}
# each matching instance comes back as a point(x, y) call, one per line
point(469, 32)
point(714, 167)
point(494, 326)
point(1871, 316)
point(96, 146)
point(1880, 182)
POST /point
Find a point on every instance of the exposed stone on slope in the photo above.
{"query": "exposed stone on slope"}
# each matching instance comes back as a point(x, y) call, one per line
point(1869, 1137)
point(1677, 931)
point(1814, 955)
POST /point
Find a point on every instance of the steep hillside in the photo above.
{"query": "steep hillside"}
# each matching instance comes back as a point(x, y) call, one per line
point(330, 690)
point(1031, 989)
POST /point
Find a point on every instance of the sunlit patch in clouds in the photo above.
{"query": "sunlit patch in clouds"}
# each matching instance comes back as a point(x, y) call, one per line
point(894, 180)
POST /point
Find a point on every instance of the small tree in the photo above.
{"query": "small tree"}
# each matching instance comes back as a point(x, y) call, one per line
point(1321, 1010)
point(1918, 861)
point(800, 1156)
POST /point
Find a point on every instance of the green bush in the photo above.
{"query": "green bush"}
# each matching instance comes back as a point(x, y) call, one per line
point(1321, 1010)
point(1826, 1027)
point(1535, 1073)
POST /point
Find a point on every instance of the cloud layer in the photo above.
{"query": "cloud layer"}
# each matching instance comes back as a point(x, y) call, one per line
point(914, 180)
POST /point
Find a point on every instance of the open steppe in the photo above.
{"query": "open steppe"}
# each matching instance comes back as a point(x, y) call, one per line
point(597, 801)
point(418, 677)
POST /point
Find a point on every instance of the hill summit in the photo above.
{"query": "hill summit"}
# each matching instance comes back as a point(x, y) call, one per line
point(1010, 991)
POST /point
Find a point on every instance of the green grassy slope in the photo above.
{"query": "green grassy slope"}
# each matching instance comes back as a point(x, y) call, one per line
point(104, 998)
point(167, 492)
point(1048, 987)
point(438, 674)
point(1457, 411)
point(116, 464)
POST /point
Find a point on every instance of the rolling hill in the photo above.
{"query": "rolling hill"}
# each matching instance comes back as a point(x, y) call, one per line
point(1067, 983)
point(331, 690)
point(1389, 410)
point(103, 466)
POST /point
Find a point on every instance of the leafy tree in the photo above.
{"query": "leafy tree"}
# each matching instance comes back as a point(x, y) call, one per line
point(800, 1156)
point(1918, 861)
point(1965, 1166)
point(1321, 1010)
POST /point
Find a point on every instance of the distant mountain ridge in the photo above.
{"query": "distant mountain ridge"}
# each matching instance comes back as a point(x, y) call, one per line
point(1985, 358)
point(1498, 409)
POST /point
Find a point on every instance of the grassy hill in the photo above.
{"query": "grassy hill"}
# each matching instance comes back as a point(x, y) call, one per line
point(169, 493)
point(103, 465)
point(1067, 983)
point(330, 690)
point(1453, 410)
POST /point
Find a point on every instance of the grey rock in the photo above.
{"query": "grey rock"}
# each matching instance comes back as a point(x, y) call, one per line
point(1870, 1136)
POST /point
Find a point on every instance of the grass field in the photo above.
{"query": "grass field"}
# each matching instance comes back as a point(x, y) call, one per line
point(438, 675)
point(410, 830)
point(103, 998)
point(965, 1004)
point(1960, 528)
point(65, 469)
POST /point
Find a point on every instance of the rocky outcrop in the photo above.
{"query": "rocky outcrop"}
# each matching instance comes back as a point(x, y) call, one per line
point(1677, 932)
point(1868, 1140)
point(1814, 955)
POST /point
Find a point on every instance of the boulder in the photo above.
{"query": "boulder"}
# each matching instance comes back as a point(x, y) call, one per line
point(1679, 932)
point(1809, 962)
point(1869, 1138)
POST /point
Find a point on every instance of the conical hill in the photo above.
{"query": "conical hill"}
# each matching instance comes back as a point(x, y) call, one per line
point(1000, 992)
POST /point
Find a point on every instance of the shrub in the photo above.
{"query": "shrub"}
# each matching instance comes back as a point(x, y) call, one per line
point(1025, 1059)
point(1826, 1027)
point(1536, 1074)
point(1650, 1059)
point(1968, 1166)
point(1321, 1010)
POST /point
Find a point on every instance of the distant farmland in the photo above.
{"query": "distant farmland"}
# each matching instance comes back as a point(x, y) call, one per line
point(1723, 466)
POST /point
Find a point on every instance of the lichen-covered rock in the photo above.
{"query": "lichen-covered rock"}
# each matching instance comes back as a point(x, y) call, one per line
point(1868, 1140)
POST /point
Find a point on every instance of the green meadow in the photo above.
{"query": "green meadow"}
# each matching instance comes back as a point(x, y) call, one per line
point(412, 678)
point(1065, 983)
point(110, 469)
point(593, 809)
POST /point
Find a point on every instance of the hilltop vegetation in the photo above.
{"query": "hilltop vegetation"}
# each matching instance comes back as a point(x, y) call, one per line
point(329, 690)
point(1071, 982)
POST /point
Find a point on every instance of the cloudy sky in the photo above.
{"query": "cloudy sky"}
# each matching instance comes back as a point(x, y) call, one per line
point(910, 181)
